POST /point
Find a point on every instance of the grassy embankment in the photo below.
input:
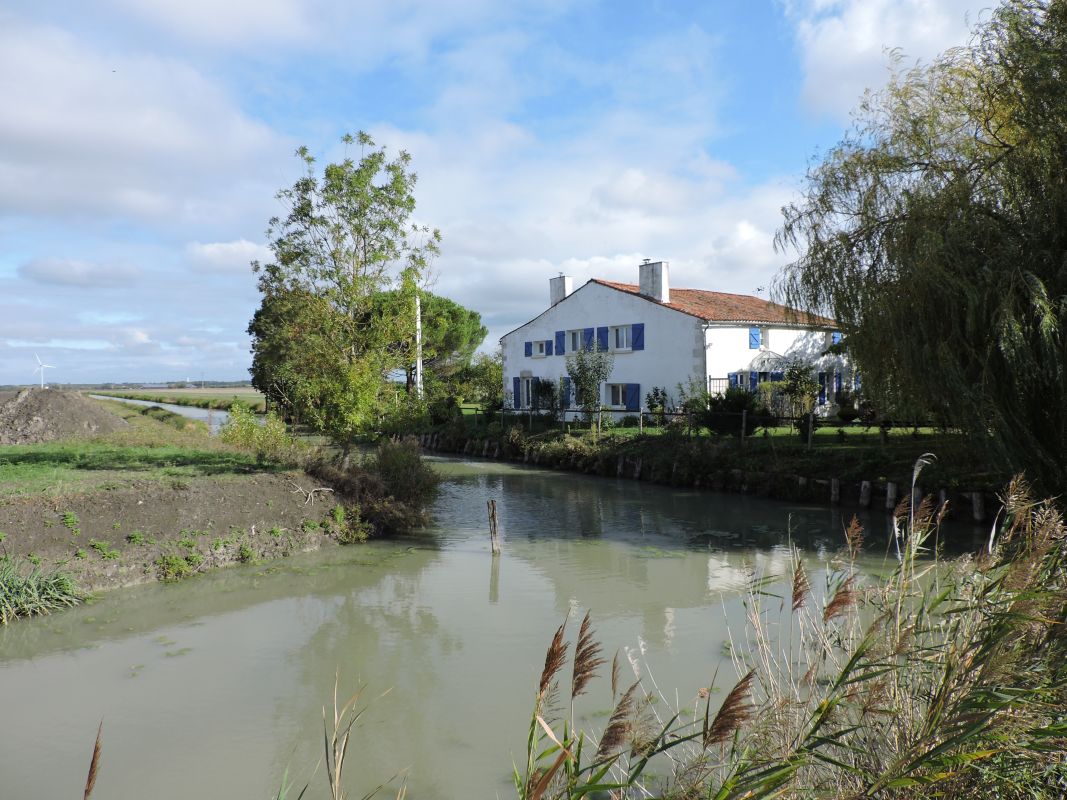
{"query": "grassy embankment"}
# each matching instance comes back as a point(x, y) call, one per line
point(161, 499)
point(217, 399)
point(769, 460)
point(158, 445)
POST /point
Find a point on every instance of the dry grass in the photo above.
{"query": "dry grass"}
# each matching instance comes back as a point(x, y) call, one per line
point(941, 679)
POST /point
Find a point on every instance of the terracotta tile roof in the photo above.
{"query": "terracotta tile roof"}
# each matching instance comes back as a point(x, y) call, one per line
point(725, 307)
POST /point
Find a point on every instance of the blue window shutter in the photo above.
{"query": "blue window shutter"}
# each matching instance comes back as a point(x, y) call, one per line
point(835, 337)
point(822, 388)
point(602, 338)
point(856, 381)
point(566, 392)
point(633, 397)
point(753, 381)
point(518, 393)
point(837, 383)
point(529, 348)
point(561, 338)
point(753, 338)
point(637, 336)
point(733, 380)
point(777, 376)
point(548, 347)
point(587, 339)
point(535, 384)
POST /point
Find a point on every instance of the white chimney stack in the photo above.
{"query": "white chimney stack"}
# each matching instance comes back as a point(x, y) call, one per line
point(653, 281)
point(559, 287)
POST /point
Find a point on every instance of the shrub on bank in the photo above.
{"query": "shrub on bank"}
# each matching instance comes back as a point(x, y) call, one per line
point(267, 439)
point(404, 474)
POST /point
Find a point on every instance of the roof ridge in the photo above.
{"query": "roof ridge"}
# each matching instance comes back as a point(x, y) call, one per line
point(757, 312)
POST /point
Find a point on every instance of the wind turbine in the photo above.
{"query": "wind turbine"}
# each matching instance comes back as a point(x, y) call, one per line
point(41, 367)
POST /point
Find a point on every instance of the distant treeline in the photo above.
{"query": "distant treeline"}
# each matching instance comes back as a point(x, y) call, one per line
point(13, 387)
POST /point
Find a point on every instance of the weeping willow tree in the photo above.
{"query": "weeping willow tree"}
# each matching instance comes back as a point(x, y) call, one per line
point(936, 234)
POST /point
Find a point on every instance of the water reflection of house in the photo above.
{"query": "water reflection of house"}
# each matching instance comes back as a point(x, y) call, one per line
point(663, 337)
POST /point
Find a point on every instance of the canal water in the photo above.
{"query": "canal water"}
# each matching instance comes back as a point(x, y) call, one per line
point(215, 686)
point(214, 418)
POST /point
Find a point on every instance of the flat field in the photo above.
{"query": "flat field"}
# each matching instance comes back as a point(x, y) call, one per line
point(215, 397)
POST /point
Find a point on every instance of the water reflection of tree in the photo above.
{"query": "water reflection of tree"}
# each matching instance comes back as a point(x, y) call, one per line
point(376, 629)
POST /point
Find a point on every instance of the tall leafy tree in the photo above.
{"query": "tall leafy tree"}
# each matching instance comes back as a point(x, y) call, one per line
point(936, 234)
point(323, 332)
point(450, 336)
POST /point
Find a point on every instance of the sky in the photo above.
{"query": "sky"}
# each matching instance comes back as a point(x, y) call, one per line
point(142, 143)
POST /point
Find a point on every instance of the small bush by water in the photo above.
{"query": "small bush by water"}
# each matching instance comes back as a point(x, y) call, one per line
point(268, 439)
point(26, 590)
point(405, 475)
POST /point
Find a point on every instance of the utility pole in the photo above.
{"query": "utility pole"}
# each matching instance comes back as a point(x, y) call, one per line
point(418, 345)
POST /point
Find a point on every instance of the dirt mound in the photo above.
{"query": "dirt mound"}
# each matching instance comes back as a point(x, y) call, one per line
point(43, 415)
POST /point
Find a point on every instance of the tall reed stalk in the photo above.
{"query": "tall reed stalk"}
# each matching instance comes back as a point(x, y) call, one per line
point(940, 679)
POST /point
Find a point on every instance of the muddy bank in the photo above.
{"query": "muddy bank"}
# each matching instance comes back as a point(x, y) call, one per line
point(152, 530)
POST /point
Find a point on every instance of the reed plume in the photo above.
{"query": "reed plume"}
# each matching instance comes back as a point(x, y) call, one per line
point(854, 537)
point(844, 598)
point(620, 725)
point(587, 658)
point(735, 711)
point(615, 676)
point(555, 658)
point(801, 587)
point(94, 764)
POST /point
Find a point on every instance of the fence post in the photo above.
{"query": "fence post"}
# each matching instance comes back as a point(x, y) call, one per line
point(640, 422)
point(744, 424)
point(811, 426)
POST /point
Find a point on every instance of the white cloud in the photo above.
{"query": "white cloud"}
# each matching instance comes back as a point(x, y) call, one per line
point(235, 256)
point(122, 134)
point(228, 22)
point(71, 272)
point(843, 43)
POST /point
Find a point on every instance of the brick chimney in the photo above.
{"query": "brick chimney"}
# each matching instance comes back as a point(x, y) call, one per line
point(559, 287)
point(653, 281)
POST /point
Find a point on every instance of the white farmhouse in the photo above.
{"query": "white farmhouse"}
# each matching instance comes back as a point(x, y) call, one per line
point(665, 337)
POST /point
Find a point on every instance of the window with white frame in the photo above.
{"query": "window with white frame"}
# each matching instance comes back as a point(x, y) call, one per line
point(617, 395)
point(539, 349)
point(527, 392)
point(574, 341)
point(621, 337)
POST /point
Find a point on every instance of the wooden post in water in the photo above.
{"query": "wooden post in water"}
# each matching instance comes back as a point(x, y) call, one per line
point(865, 494)
point(890, 496)
point(494, 536)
